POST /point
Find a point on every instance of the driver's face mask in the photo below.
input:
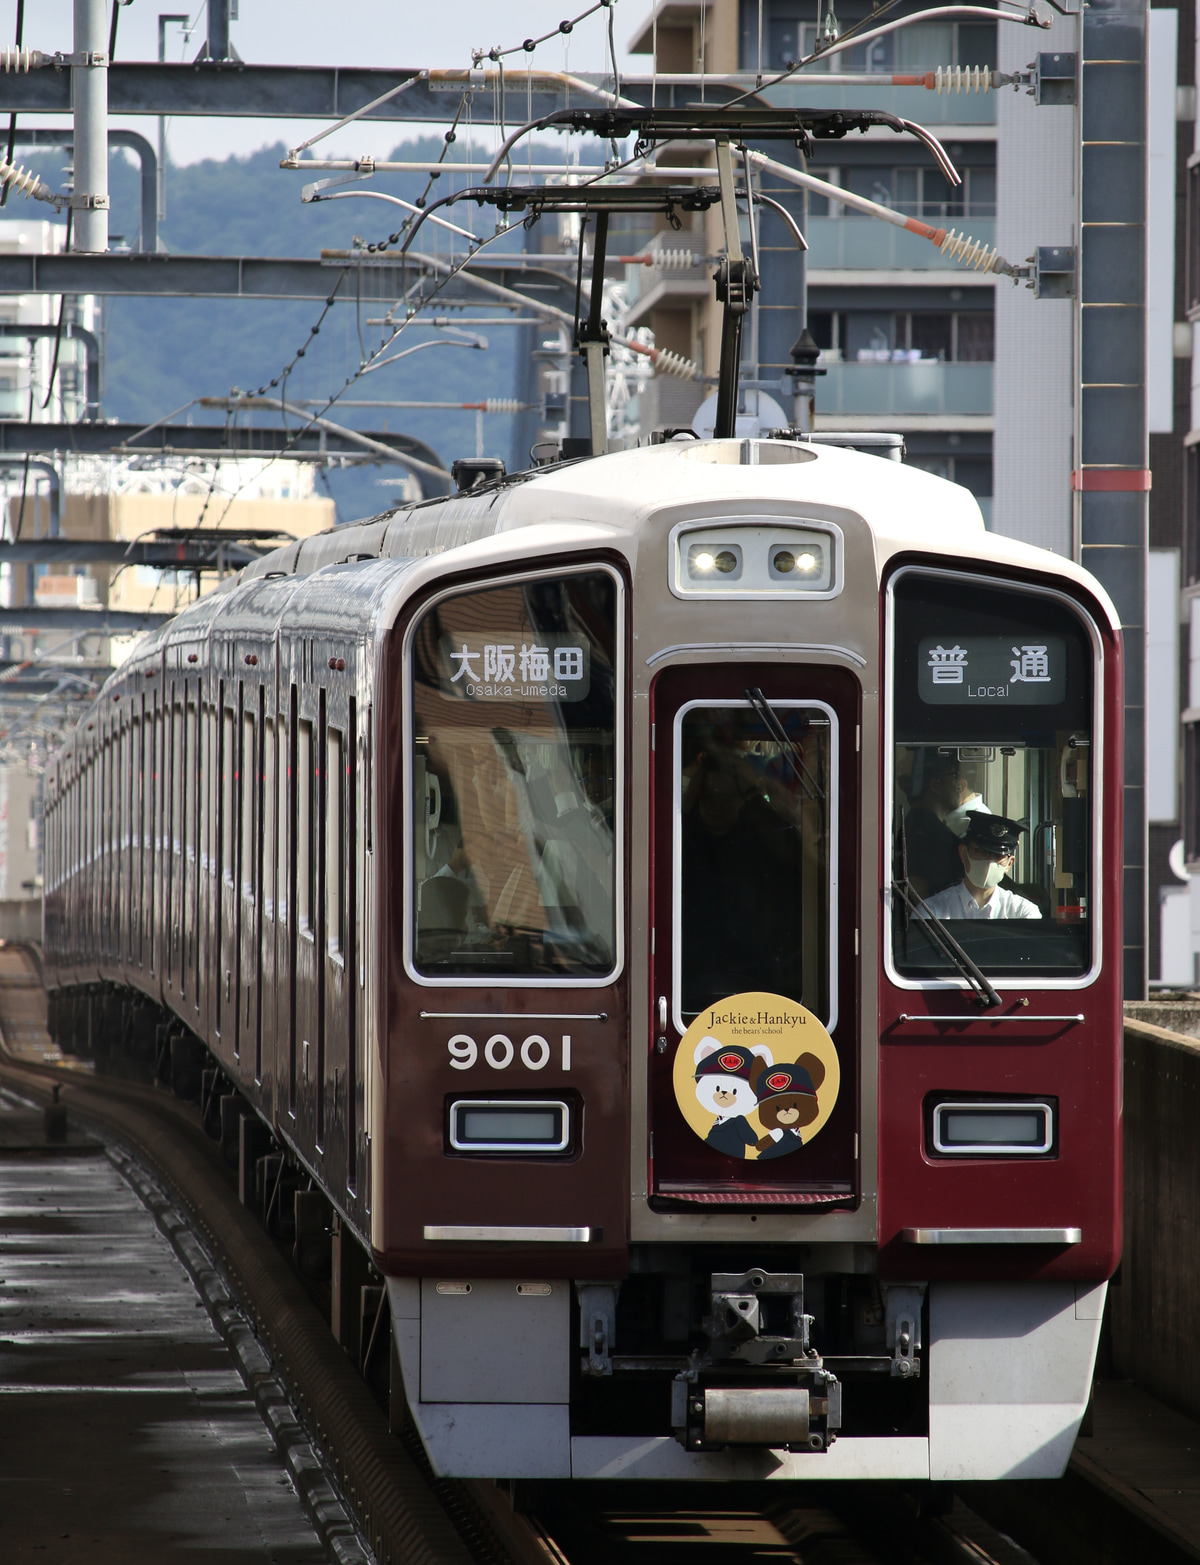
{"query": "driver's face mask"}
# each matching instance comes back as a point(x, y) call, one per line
point(986, 873)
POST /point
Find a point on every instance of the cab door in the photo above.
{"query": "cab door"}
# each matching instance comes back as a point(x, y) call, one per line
point(754, 1055)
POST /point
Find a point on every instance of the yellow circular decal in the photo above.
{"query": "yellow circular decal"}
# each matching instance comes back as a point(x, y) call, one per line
point(756, 1076)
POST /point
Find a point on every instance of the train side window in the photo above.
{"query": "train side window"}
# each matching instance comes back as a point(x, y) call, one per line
point(992, 796)
point(282, 818)
point(249, 779)
point(269, 796)
point(179, 761)
point(513, 780)
point(228, 778)
point(304, 819)
point(335, 837)
point(195, 782)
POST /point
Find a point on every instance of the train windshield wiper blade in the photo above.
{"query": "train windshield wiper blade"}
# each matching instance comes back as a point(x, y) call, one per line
point(950, 946)
point(775, 728)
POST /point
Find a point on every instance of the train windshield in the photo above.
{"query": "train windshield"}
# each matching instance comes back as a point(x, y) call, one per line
point(755, 818)
point(514, 772)
point(992, 783)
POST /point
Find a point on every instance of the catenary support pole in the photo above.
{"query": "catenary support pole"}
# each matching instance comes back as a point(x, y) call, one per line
point(1111, 478)
point(89, 87)
point(217, 47)
point(64, 136)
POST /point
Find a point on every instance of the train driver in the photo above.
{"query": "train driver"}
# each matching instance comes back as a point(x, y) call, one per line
point(986, 852)
point(930, 845)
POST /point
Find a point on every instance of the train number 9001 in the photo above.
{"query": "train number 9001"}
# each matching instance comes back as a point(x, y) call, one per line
point(500, 1051)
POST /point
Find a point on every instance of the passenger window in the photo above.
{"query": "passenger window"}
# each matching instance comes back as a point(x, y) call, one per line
point(304, 815)
point(282, 816)
point(228, 778)
point(992, 787)
point(513, 779)
point(755, 800)
point(269, 795)
point(249, 785)
point(335, 832)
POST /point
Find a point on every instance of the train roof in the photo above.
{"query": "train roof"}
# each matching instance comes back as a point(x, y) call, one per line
point(905, 508)
point(356, 569)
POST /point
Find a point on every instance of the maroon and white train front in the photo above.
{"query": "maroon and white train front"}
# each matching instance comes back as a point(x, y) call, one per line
point(671, 903)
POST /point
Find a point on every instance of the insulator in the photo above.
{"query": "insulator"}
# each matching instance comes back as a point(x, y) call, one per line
point(502, 405)
point(19, 179)
point(674, 260)
point(669, 260)
point(12, 60)
point(961, 247)
point(962, 78)
point(668, 363)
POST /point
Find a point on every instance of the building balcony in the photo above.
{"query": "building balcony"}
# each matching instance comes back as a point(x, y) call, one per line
point(868, 244)
point(926, 389)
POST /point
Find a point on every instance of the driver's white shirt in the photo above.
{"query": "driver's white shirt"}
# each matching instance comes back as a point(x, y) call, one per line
point(957, 902)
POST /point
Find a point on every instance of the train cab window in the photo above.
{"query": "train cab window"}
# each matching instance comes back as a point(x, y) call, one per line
point(514, 781)
point(755, 818)
point(993, 787)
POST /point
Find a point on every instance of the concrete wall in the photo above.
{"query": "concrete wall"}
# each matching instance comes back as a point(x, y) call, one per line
point(1154, 1306)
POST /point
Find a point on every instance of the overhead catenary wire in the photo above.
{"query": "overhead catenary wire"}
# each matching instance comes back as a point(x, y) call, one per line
point(663, 360)
point(528, 45)
point(1028, 18)
point(62, 310)
point(314, 420)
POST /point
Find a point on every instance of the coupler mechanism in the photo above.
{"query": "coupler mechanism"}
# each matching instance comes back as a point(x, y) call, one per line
point(759, 1382)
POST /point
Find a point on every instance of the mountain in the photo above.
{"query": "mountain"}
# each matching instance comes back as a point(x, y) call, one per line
point(162, 353)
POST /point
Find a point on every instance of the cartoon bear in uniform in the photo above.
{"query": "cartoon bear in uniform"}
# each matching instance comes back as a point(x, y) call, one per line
point(787, 1101)
point(724, 1087)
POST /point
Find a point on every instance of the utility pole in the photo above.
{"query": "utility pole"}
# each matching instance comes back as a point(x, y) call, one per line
point(89, 90)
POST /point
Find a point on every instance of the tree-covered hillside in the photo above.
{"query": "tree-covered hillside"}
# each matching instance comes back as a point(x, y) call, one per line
point(161, 353)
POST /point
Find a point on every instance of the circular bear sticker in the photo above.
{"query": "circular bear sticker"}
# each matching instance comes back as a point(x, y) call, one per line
point(756, 1076)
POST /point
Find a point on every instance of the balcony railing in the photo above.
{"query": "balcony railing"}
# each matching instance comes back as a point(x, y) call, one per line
point(864, 243)
point(932, 388)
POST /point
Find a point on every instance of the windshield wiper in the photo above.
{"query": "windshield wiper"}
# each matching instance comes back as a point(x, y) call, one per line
point(949, 945)
point(775, 728)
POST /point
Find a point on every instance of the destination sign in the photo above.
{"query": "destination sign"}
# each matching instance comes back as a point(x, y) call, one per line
point(537, 668)
point(965, 670)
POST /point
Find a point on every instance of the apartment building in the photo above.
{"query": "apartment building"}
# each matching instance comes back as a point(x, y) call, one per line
point(908, 338)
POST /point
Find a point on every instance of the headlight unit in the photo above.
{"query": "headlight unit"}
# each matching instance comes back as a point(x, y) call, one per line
point(755, 559)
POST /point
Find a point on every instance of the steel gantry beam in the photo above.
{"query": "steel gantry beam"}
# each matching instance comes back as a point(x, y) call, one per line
point(264, 277)
point(201, 550)
point(233, 89)
point(219, 440)
point(26, 618)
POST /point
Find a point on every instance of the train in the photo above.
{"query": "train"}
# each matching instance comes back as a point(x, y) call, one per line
point(539, 861)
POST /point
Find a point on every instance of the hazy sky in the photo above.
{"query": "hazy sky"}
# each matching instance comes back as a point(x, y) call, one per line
point(320, 32)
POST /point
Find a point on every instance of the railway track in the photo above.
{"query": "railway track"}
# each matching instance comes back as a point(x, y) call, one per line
point(407, 1516)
